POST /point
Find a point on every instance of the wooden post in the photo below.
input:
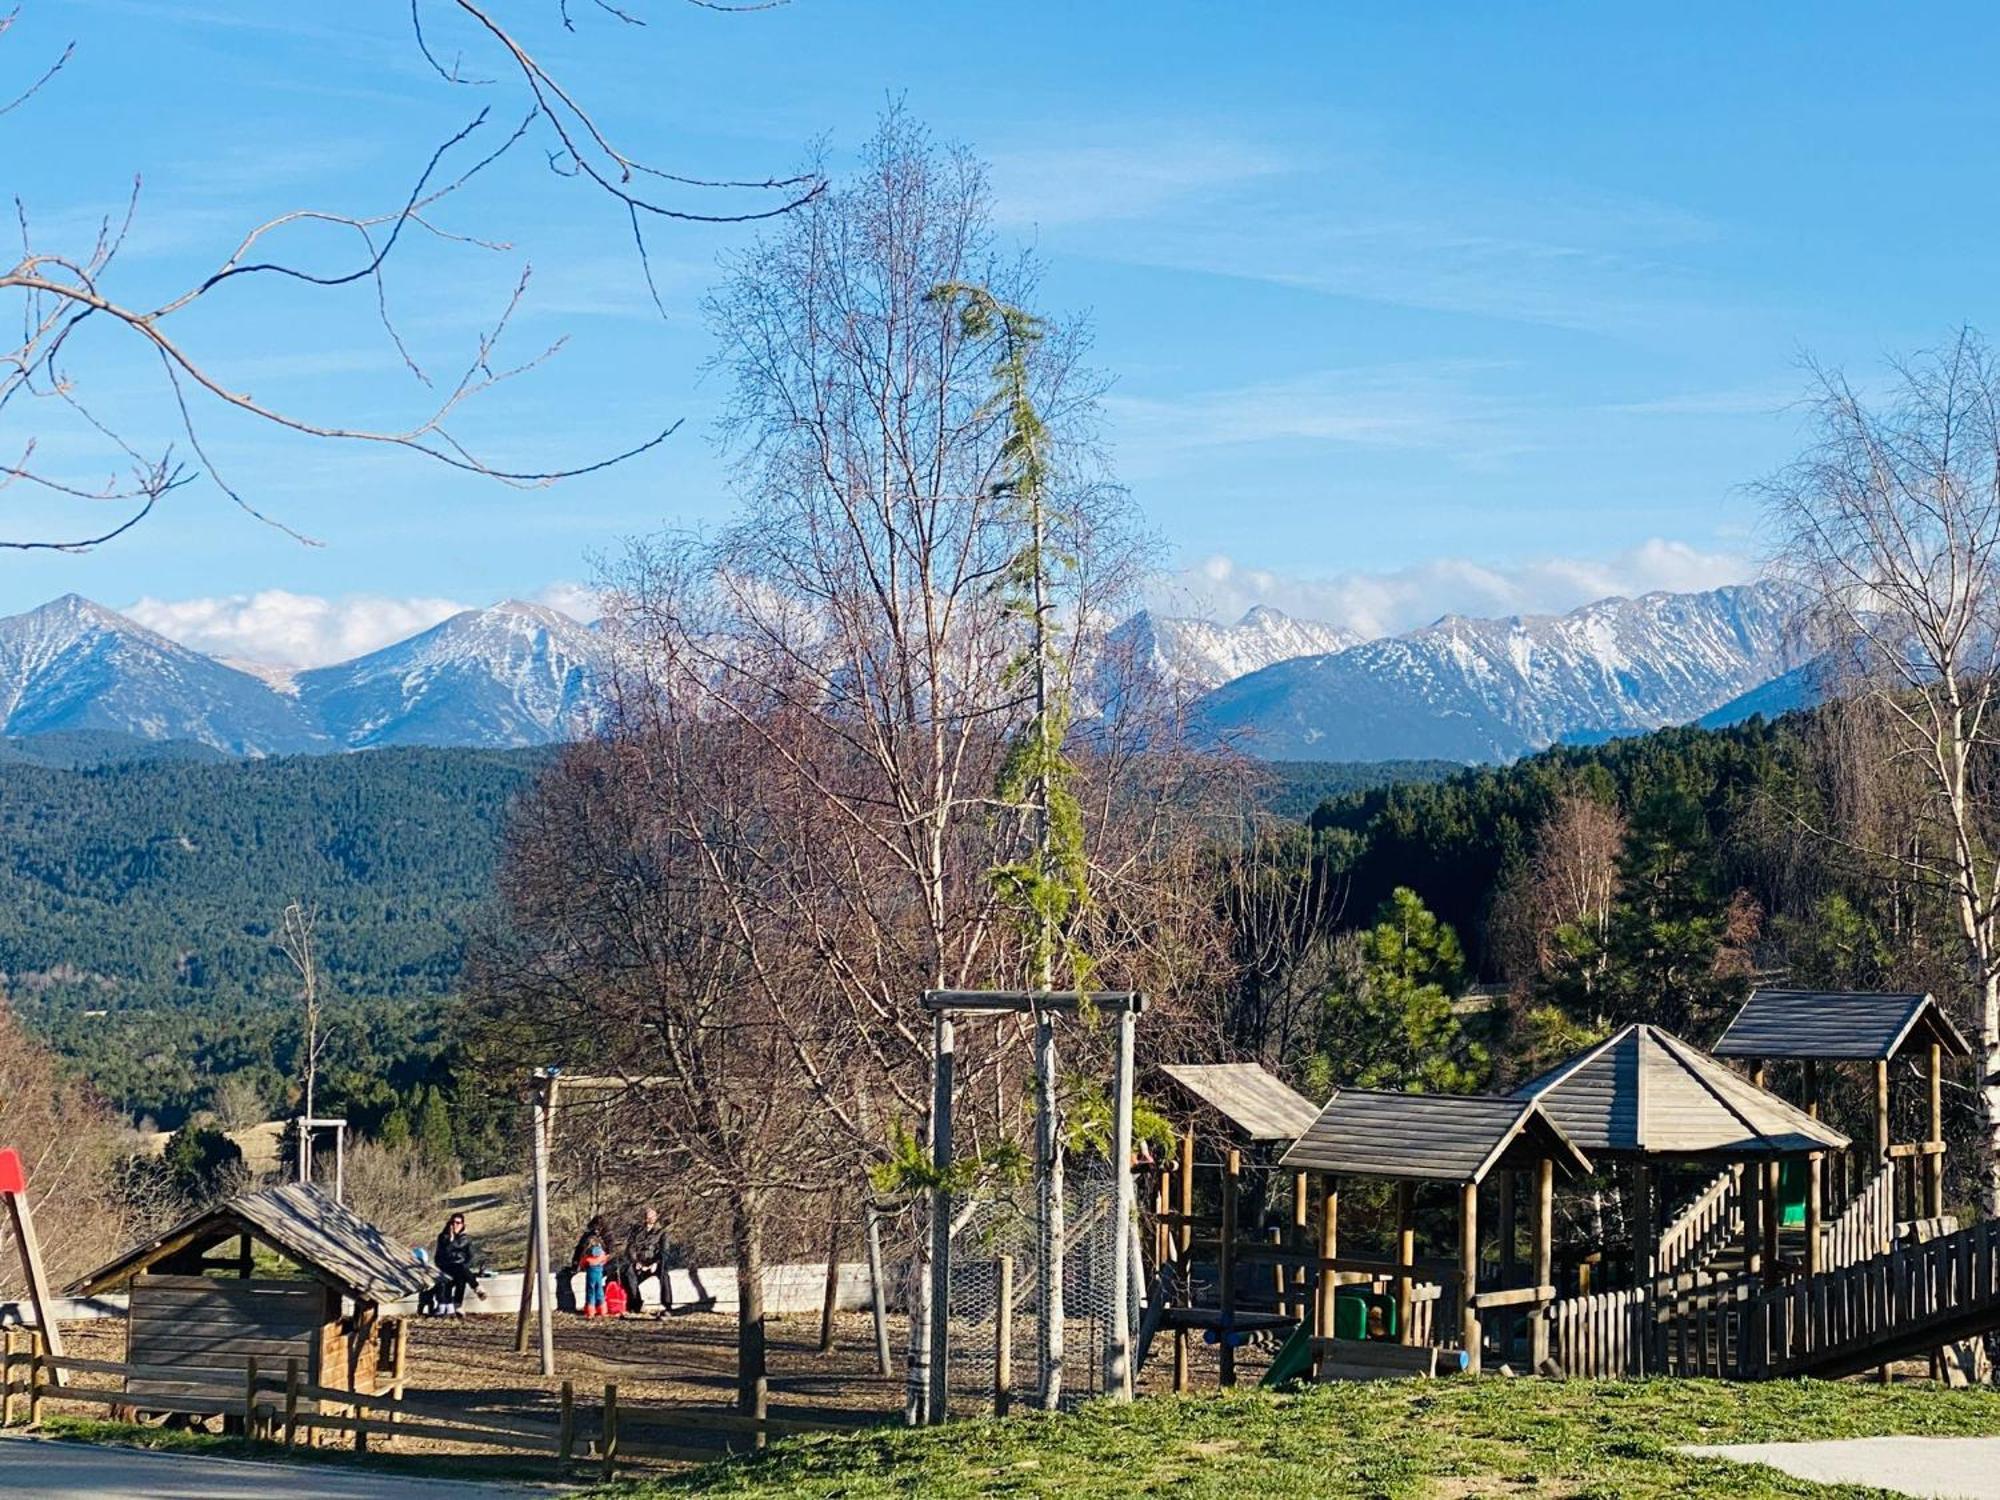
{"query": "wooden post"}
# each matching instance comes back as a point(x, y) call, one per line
point(529, 1275)
point(608, 1443)
point(1300, 1224)
point(1226, 1265)
point(944, 1064)
point(292, 1402)
point(38, 1353)
point(1468, 1274)
point(1881, 1111)
point(1772, 1269)
point(39, 1293)
point(6, 1377)
point(1185, 1241)
point(566, 1422)
point(542, 1271)
point(1815, 1210)
point(1118, 1341)
point(1544, 1258)
point(1934, 1161)
point(1050, 1324)
point(1329, 1247)
point(1003, 1339)
point(830, 1302)
point(250, 1397)
point(1812, 1087)
point(878, 1295)
point(1406, 1254)
point(1645, 1224)
point(1754, 1209)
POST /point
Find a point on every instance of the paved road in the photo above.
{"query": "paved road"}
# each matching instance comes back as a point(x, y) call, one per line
point(1934, 1468)
point(80, 1471)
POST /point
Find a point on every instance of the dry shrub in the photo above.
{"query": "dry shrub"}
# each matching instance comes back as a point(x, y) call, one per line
point(70, 1144)
point(399, 1189)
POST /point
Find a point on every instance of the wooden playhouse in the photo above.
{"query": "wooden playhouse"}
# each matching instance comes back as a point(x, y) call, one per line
point(196, 1319)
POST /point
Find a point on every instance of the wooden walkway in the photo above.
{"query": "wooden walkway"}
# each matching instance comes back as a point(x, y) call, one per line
point(1903, 1302)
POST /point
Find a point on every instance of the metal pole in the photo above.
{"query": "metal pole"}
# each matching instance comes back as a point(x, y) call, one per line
point(941, 1158)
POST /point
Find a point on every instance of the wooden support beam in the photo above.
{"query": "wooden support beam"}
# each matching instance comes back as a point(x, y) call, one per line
point(1815, 1210)
point(1934, 1163)
point(1329, 1249)
point(32, 1271)
point(1754, 1208)
point(541, 1270)
point(1118, 1340)
point(1812, 1087)
point(1406, 1254)
point(1772, 1269)
point(1003, 1339)
point(1544, 1256)
point(943, 1079)
point(1232, 1175)
point(1468, 1274)
point(1881, 1111)
point(1185, 1181)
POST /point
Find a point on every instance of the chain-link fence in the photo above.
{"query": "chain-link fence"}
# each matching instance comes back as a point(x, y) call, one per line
point(1005, 1226)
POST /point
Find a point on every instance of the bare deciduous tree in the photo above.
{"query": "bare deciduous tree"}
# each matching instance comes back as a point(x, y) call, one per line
point(63, 293)
point(1890, 526)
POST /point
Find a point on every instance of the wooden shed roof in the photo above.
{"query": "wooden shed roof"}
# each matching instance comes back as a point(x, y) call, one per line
point(1838, 1026)
point(334, 1244)
point(1431, 1137)
point(1258, 1103)
point(1645, 1092)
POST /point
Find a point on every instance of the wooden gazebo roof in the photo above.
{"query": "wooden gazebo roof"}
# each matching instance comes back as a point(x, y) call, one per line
point(1261, 1106)
point(1645, 1092)
point(1457, 1138)
point(1838, 1026)
point(330, 1242)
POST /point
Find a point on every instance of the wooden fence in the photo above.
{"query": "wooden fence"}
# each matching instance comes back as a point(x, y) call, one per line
point(1866, 1227)
point(279, 1407)
point(1603, 1336)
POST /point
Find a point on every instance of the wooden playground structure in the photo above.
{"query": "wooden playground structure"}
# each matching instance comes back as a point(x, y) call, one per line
point(1726, 1231)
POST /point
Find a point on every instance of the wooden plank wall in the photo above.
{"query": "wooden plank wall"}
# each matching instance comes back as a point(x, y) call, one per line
point(195, 1335)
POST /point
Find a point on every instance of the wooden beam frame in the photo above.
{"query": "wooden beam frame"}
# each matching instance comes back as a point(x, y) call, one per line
point(1030, 1002)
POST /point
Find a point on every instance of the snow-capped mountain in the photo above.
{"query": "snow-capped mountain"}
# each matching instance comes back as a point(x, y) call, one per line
point(1203, 654)
point(515, 674)
point(1482, 690)
point(72, 664)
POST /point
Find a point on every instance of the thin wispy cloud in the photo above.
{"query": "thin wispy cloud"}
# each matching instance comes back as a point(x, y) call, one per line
point(1388, 603)
point(1446, 405)
point(1071, 183)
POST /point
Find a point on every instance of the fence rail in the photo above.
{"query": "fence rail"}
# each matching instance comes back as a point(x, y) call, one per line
point(271, 1405)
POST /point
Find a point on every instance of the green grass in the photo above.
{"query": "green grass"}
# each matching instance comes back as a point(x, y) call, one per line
point(1592, 1440)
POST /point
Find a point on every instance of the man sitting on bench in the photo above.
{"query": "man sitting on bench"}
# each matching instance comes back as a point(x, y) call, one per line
point(645, 1255)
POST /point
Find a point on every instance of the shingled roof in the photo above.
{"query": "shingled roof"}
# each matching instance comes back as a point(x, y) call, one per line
point(1431, 1137)
point(1255, 1101)
point(1645, 1092)
point(329, 1241)
point(1838, 1026)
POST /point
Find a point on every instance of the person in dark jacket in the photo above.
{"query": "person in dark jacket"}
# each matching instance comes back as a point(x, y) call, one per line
point(645, 1255)
point(453, 1258)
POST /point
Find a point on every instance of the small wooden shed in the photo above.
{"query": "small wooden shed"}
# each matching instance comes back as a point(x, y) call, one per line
point(195, 1322)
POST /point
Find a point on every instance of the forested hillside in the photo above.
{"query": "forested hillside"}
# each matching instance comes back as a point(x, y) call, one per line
point(138, 903)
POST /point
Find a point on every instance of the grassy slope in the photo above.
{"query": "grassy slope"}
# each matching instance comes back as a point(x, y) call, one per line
point(1603, 1440)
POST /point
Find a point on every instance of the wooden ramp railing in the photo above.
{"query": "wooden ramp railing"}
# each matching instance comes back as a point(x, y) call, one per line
point(1711, 1221)
point(1866, 1227)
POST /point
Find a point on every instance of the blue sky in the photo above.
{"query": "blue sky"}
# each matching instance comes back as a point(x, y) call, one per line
point(1407, 307)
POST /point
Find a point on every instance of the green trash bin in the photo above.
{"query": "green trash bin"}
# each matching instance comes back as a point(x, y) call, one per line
point(1794, 1181)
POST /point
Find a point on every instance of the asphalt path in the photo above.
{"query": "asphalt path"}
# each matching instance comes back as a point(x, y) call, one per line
point(1934, 1468)
point(51, 1470)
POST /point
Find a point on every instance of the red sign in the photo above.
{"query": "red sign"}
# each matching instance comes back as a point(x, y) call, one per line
point(13, 1176)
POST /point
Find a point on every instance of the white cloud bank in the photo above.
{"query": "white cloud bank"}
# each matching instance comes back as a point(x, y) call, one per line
point(1375, 604)
point(275, 627)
